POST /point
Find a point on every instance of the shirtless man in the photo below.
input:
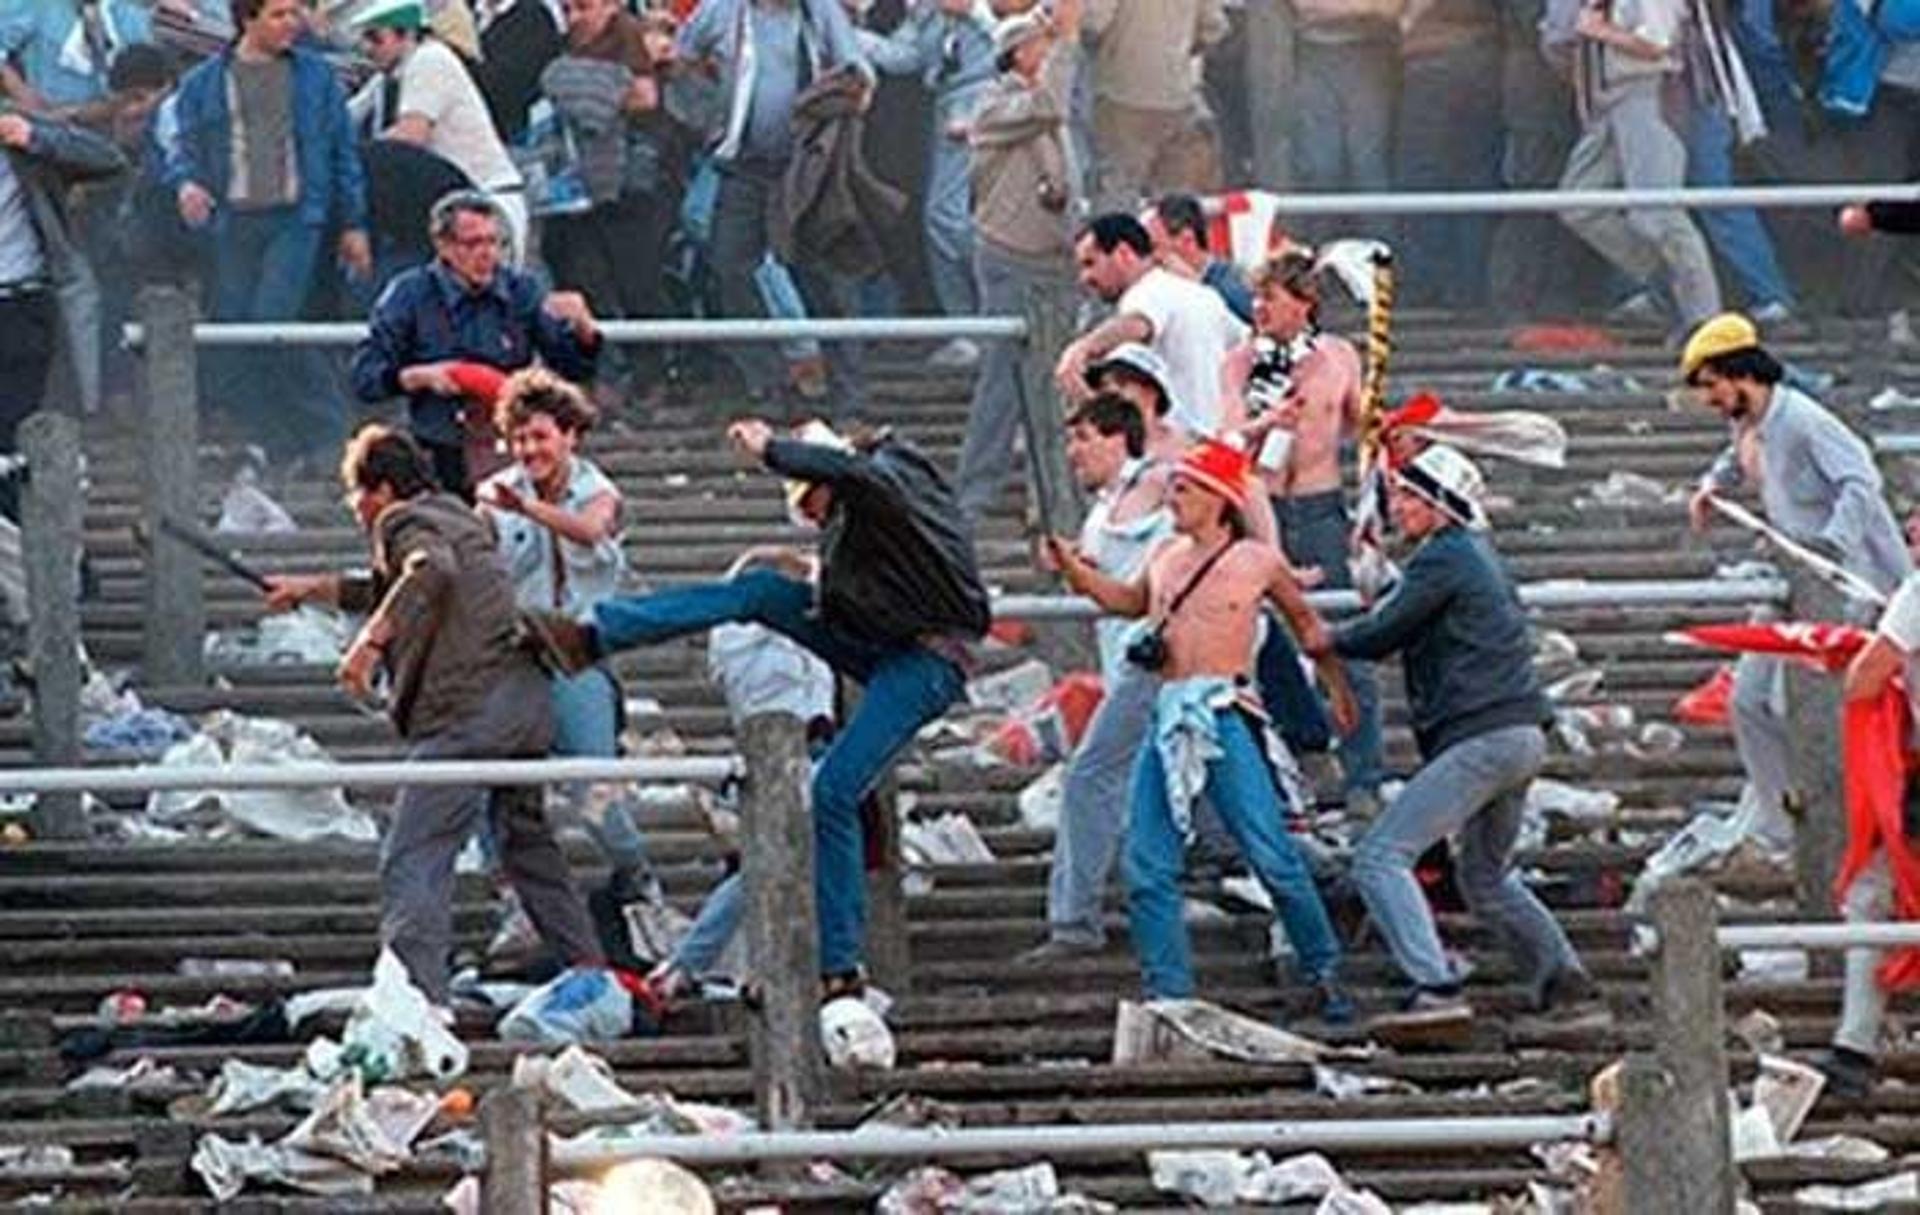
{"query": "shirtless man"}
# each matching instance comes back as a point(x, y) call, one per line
point(1203, 590)
point(1290, 394)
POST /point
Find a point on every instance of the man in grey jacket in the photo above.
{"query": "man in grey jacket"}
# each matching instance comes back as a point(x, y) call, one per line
point(41, 268)
point(764, 53)
point(1818, 485)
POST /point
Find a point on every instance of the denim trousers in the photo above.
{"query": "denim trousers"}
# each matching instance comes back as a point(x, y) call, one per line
point(1738, 235)
point(1314, 531)
point(586, 716)
point(738, 247)
point(905, 687)
point(1476, 788)
point(1241, 788)
point(947, 213)
point(1093, 800)
point(1449, 138)
point(713, 927)
point(265, 263)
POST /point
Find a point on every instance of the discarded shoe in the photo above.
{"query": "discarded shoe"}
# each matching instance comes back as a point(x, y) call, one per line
point(1850, 1074)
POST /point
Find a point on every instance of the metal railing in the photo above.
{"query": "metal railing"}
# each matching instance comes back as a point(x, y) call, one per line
point(218, 334)
point(712, 770)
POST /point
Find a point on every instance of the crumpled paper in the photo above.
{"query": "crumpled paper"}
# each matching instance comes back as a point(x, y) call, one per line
point(347, 1141)
point(1224, 1178)
point(1867, 1196)
point(243, 1086)
point(950, 839)
point(1033, 1190)
point(1189, 1030)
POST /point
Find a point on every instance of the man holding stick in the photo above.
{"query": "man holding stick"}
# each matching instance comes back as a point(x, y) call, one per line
point(1818, 487)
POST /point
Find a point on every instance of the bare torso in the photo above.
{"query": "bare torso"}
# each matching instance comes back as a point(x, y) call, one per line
point(1212, 633)
point(1327, 388)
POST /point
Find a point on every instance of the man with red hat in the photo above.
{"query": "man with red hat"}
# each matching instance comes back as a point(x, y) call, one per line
point(1477, 716)
point(1201, 593)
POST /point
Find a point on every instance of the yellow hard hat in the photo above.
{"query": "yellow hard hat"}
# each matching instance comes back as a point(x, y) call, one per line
point(1715, 336)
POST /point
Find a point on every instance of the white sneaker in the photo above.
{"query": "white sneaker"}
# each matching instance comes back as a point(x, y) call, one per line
point(958, 353)
point(1773, 312)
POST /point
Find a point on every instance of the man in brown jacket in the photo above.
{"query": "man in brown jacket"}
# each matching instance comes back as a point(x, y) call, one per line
point(442, 625)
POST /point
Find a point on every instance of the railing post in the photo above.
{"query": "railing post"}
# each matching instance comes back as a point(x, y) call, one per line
point(515, 1180)
point(1055, 501)
point(1689, 1033)
point(888, 946)
point(1270, 91)
point(1647, 1164)
point(1814, 759)
point(173, 627)
point(50, 543)
point(783, 947)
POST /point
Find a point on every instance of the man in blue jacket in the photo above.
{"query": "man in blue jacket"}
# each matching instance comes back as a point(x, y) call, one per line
point(258, 150)
point(466, 307)
point(1477, 716)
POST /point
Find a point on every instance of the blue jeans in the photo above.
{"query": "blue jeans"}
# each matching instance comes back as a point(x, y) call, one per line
point(1476, 788)
point(948, 215)
point(1292, 701)
point(264, 266)
point(906, 686)
point(586, 714)
point(714, 926)
point(1739, 236)
point(1241, 788)
point(1314, 532)
point(1449, 138)
point(1770, 69)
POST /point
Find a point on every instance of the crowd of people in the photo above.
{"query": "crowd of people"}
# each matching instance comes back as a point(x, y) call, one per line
point(734, 159)
point(488, 185)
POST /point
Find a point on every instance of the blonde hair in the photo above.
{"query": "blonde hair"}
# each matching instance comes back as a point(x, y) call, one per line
point(535, 390)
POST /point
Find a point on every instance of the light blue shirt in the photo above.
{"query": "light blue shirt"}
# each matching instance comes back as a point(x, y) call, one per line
point(1119, 550)
point(46, 39)
point(549, 573)
point(1818, 482)
point(952, 55)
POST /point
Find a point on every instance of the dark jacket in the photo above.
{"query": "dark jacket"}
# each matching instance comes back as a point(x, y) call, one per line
point(896, 563)
point(831, 207)
point(57, 157)
point(1900, 217)
point(425, 316)
point(197, 142)
point(437, 572)
point(1467, 656)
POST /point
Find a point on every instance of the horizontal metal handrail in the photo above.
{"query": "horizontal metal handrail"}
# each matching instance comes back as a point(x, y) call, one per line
point(1515, 202)
point(710, 770)
point(1818, 935)
point(210, 334)
point(1058, 1140)
point(1548, 594)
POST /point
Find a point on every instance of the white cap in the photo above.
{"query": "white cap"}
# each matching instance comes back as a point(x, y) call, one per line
point(1019, 28)
point(1449, 481)
point(817, 432)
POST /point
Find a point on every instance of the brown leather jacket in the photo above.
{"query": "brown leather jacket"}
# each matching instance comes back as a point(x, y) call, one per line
point(437, 576)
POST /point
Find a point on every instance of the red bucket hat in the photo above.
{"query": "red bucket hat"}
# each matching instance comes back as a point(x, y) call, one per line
point(1219, 468)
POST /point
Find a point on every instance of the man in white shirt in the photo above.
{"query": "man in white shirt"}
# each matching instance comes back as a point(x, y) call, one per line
point(1184, 322)
point(424, 95)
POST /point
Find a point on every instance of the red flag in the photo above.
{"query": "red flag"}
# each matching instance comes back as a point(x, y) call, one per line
point(1874, 740)
point(1828, 647)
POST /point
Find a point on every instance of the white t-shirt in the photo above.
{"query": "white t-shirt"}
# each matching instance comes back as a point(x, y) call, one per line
point(437, 86)
point(1900, 624)
point(1193, 331)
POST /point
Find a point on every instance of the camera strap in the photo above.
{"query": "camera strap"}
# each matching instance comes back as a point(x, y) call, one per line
point(1193, 583)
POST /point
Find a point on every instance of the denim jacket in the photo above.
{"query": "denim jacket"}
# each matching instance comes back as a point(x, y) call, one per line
point(333, 183)
point(550, 572)
point(952, 56)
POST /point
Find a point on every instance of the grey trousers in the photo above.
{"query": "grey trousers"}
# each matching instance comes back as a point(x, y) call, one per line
point(1759, 712)
point(1475, 790)
point(1863, 1002)
point(430, 825)
point(1628, 143)
point(1093, 806)
point(993, 418)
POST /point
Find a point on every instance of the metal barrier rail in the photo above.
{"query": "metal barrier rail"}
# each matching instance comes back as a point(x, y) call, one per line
point(1897, 445)
point(1549, 594)
point(1518, 202)
point(703, 770)
point(212, 334)
point(1815, 934)
point(1333, 1134)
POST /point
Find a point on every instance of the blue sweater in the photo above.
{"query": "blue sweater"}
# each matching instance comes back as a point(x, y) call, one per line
point(1462, 634)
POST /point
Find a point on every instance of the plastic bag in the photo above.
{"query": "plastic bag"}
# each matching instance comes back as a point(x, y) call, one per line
point(395, 1033)
point(580, 1005)
point(854, 1036)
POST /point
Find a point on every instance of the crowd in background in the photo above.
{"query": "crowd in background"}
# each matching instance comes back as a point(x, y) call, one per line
point(754, 157)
